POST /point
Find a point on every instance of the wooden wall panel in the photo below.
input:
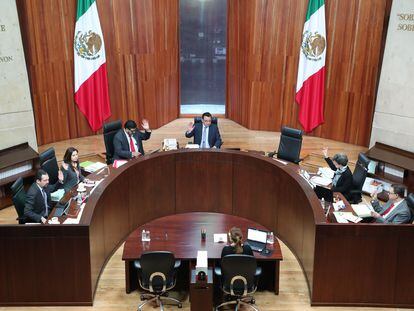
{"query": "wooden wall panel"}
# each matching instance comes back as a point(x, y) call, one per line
point(263, 52)
point(141, 38)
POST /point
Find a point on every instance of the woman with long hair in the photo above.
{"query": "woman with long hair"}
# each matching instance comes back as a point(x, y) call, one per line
point(236, 246)
point(71, 169)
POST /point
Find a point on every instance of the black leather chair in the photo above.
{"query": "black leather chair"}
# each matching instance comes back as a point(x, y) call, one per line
point(19, 199)
point(410, 203)
point(239, 276)
point(290, 145)
point(358, 178)
point(48, 163)
point(157, 275)
point(214, 120)
point(109, 131)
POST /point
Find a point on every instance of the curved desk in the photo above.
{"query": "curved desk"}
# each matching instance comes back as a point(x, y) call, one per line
point(181, 235)
point(344, 264)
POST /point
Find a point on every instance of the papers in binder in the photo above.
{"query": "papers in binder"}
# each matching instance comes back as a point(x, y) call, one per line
point(326, 172)
point(220, 237)
point(169, 144)
point(362, 210)
point(321, 181)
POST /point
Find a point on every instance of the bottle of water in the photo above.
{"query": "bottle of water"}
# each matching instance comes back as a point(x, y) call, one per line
point(143, 237)
point(270, 238)
point(323, 203)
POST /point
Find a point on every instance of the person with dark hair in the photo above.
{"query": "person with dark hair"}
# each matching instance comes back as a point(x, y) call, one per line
point(128, 141)
point(206, 134)
point(342, 180)
point(395, 211)
point(236, 246)
point(70, 168)
point(38, 200)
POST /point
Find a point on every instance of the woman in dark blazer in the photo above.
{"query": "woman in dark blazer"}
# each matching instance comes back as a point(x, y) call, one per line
point(342, 180)
point(236, 246)
point(70, 168)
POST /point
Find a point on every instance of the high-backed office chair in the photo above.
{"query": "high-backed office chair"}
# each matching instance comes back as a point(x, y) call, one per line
point(239, 276)
point(290, 145)
point(48, 163)
point(214, 120)
point(157, 275)
point(358, 178)
point(410, 203)
point(109, 131)
point(19, 199)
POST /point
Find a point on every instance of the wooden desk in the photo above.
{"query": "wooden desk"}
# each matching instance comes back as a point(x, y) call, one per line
point(181, 235)
point(374, 259)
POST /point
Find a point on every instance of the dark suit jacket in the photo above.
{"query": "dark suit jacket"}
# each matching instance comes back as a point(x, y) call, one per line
point(69, 177)
point(35, 208)
point(121, 144)
point(400, 215)
point(214, 138)
point(344, 184)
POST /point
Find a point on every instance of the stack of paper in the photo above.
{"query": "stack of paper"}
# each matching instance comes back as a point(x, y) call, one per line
point(345, 217)
point(362, 210)
point(326, 172)
point(192, 146)
point(92, 167)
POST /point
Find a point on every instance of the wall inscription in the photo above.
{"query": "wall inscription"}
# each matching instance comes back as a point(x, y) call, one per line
point(406, 22)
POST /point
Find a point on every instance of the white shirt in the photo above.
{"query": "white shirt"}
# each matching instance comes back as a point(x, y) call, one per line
point(207, 145)
point(133, 140)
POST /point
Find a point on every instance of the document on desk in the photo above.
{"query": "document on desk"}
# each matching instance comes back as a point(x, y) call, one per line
point(220, 237)
point(326, 172)
point(362, 210)
point(202, 259)
point(321, 181)
point(340, 218)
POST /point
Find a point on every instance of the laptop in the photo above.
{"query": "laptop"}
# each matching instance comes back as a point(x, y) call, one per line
point(324, 193)
point(62, 209)
point(256, 239)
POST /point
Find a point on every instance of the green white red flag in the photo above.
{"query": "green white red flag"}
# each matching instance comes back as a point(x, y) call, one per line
point(91, 83)
point(310, 86)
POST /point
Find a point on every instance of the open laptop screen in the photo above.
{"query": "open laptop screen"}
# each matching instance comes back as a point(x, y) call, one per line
point(256, 235)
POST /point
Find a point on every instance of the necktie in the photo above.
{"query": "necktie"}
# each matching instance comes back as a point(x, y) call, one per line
point(131, 144)
point(45, 199)
point(203, 138)
point(387, 210)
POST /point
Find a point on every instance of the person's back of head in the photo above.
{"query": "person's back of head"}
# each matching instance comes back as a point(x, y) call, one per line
point(341, 159)
point(130, 125)
point(236, 239)
point(399, 190)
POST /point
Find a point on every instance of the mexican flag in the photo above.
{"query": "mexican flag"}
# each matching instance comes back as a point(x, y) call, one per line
point(91, 84)
point(310, 86)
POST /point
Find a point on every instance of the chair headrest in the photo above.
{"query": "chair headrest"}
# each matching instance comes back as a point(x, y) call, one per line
point(199, 120)
point(112, 126)
point(46, 155)
point(288, 131)
point(18, 184)
point(363, 160)
point(410, 200)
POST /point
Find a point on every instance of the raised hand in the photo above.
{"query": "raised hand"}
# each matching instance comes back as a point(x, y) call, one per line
point(60, 176)
point(190, 127)
point(145, 124)
point(325, 151)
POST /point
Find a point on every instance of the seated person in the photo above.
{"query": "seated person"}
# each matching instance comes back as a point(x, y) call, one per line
point(70, 168)
point(37, 207)
point(206, 135)
point(236, 246)
point(342, 180)
point(395, 211)
point(128, 141)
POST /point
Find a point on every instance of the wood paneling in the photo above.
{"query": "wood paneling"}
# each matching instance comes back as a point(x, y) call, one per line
point(141, 38)
point(263, 51)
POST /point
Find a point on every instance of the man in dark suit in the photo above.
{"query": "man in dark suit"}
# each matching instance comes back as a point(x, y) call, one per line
point(38, 200)
point(395, 211)
point(128, 141)
point(342, 180)
point(206, 134)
